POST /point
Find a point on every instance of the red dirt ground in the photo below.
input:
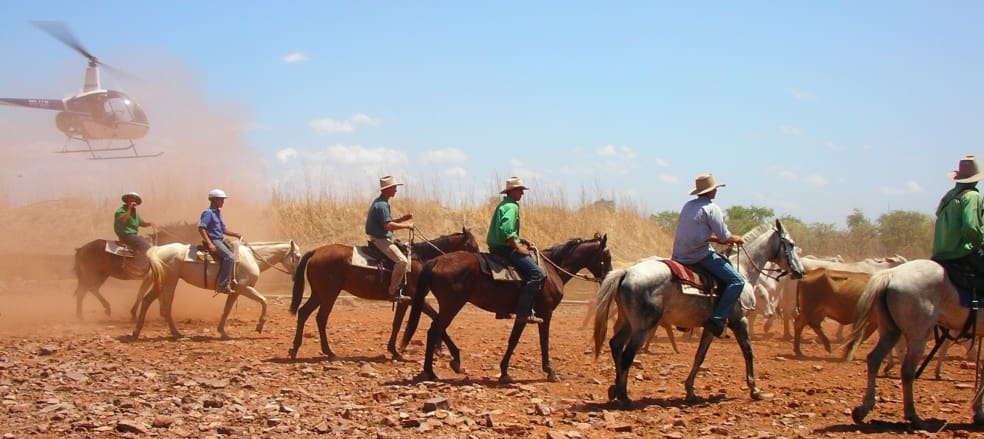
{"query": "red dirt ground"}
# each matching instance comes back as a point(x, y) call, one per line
point(64, 377)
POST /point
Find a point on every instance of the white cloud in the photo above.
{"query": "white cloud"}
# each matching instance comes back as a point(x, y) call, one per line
point(607, 150)
point(913, 186)
point(661, 163)
point(790, 131)
point(785, 174)
point(446, 155)
point(622, 152)
point(456, 171)
point(328, 125)
point(802, 94)
point(295, 57)
point(834, 147)
point(815, 180)
point(286, 154)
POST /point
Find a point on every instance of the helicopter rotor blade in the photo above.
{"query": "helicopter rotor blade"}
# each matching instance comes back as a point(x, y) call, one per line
point(60, 32)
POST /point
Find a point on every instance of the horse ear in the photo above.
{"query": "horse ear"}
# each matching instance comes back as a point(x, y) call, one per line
point(604, 240)
point(779, 226)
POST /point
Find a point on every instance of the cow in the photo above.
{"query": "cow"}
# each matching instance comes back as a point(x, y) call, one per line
point(830, 293)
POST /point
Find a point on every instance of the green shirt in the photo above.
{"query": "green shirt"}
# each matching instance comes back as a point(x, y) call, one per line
point(504, 225)
point(958, 223)
point(129, 227)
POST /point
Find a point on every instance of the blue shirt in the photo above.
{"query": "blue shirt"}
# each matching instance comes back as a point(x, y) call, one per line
point(378, 216)
point(212, 222)
point(699, 219)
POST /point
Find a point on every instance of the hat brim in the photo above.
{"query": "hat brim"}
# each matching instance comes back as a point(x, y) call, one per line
point(696, 191)
point(525, 188)
point(972, 179)
point(389, 186)
point(139, 200)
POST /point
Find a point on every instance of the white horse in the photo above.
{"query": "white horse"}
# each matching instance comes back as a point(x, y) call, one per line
point(167, 265)
point(648, 295)
point(908, 300)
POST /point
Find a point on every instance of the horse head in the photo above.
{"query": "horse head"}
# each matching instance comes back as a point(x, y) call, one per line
point(292, 258)
point(578, 253)
point(786, 256)
point(469, 243)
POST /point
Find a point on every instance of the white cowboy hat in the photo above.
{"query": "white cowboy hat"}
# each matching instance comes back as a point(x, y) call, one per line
point(388, 182)
point(513, 183)
point(704, 184)
point(969, 171)
point(132, 195)
point(216, 193)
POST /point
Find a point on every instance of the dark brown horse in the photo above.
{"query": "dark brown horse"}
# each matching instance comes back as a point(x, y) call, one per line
point(329, 271)
point(457, 279)
point(93, 265)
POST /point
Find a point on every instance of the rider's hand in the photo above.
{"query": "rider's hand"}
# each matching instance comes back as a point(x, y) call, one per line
point(523, 250)
point(211, 247)
point(735, 239)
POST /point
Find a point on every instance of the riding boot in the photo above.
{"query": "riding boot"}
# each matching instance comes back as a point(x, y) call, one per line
point(524, 306)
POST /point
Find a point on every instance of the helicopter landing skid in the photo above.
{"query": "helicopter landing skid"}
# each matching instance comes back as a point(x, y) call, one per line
point(93, 151)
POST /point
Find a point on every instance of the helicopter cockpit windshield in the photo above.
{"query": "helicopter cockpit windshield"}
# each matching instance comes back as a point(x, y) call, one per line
point(123, 109)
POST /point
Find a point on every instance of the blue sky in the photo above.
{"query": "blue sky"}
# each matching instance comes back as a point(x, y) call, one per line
point(811, 109)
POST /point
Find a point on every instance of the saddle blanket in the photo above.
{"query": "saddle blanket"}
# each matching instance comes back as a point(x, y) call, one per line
point(690, 282)
point(118, 249)
point(500, 270)
point(198, 255)
point(365, 257)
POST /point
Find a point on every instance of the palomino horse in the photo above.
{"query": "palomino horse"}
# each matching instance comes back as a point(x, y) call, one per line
point(167, 265)
point(329, 270)
point(457, 279)
point(908, 300)
point(93, 265)
point(647, 295)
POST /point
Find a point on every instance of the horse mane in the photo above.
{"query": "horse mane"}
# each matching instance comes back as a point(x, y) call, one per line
point(560, 251)
point(753, 234)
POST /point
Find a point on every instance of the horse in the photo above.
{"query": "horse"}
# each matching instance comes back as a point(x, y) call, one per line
point(647, 295)
point(329, 271)
point(93, 265)
point(167, 265)
point(457, 279)
point(909, 301)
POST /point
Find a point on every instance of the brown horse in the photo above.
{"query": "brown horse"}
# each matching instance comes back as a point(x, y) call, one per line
point(93, 265)
point(457, 279)
point(329, 271)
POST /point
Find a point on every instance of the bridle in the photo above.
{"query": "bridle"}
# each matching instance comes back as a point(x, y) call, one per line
point(274, 266)
point(785, 249)
point(562, 270)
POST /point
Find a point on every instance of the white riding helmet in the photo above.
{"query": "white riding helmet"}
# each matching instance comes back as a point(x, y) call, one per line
point(132, 195)
point(216, 193)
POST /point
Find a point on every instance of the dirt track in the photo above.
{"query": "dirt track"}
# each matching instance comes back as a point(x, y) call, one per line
point(59, 377)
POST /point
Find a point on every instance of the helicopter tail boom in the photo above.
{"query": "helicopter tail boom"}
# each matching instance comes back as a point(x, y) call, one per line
point(44, 104)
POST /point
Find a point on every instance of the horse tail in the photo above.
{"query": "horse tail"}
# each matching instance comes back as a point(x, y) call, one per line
point(606, 295)
point(872, 296)
point(157, 267)
point(298, 291)
point(423, 287)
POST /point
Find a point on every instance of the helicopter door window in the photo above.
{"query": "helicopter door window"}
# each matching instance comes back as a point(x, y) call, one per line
point(118, 108)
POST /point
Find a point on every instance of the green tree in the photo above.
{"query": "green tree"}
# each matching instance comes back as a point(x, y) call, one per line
point(666, 220)
point(862, 236)
point(741, 219)
point(907, 233)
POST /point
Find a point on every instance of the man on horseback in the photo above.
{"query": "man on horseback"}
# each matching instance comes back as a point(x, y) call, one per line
point(213, 229)
point(959, 232)
point(126, 223)
point(702, 222)
point(503, 240)
point(380, 226)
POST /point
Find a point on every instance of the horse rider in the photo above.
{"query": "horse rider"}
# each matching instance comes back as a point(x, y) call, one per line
point(380, 226)
point(959, 232)
point(503, 240)
point(126, 222)
point(702, 222)
point(212, 229)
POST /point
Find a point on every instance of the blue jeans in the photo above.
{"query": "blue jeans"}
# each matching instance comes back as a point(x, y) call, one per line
point(139, 245)
point(224, 255)
point(731, 285)
point(532, 274)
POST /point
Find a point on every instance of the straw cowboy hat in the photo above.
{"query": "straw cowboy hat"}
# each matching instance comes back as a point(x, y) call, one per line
point(132, 195)
point(704, 184)
point(513, 183)
point(388, 182)
point(969, 171)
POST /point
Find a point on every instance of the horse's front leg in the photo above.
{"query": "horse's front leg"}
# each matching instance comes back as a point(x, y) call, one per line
point(167, 300)
point(147, 300)
point(886, 339)
point(401, 311)
point(250, 292)
point(740, 329)
point(545, 350)
point(977, 405)
point(517, 331)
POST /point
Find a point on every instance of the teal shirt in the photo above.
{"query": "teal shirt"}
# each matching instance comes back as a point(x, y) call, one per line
point(378, 216)
point(504, 225)
point(958, 223)
point(128, 228)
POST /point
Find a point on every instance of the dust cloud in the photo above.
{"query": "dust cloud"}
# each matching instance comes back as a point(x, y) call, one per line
point(52, 203)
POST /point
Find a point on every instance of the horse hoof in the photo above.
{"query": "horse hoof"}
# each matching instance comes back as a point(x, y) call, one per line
point(456, 367)
point(398, 357)
point(611, 393)
point(505, 379)
point(918, 424)
point(978, 418)
point(424, 376)
point(758, 395)
point(553, 378)
point(292, 353)
point(858, 414)
point(259, 327)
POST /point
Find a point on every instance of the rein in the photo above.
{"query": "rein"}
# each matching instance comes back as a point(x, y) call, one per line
point(257, 257)
point(426, 240)
point(761, 270)
point(562, 270)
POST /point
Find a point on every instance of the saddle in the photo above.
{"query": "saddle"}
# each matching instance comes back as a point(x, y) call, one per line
point(694, 279)
point(118, 248)
point(499, 268)
point(369, 256)
point(969, 282)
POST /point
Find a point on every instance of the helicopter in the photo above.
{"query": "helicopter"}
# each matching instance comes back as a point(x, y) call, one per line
point(94, 113)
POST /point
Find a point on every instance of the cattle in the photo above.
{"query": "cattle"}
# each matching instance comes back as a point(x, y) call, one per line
point(828, 293)
point(786, 289)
